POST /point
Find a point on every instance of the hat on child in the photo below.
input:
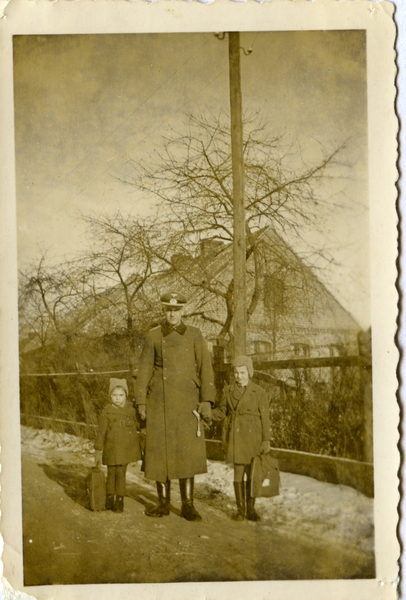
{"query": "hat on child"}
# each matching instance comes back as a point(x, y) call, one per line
point(244, 361)
point(118, 383)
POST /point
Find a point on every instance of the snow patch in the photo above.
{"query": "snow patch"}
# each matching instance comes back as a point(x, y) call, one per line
point(334, 513)
point(46, 439)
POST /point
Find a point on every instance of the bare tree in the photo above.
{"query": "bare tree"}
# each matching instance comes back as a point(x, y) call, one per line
point(50, 296)
point(53, 300)
point(190, 179)
point(120, 262)
point(97, 293)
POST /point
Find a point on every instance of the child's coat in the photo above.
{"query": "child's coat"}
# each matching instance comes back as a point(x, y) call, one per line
point(248, 412)
point(117, 435)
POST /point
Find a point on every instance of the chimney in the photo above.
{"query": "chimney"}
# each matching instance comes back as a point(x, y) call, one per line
point(210, 246)
point(180, 261)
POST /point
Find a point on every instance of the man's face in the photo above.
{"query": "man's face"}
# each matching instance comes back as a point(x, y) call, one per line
point(241, 375)
point(173, 315)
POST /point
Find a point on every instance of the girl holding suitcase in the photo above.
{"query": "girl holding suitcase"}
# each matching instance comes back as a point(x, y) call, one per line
point(117, 442)
point(246, 407)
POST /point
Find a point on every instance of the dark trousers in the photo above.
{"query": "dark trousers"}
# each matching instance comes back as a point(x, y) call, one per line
point(116, 479)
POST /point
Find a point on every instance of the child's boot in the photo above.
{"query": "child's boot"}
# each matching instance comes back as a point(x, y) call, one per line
point(110, 502)
point(252, 515)
point(119, 504)
point(239, 496)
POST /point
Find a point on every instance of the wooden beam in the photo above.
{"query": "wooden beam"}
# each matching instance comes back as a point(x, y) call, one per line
point(313, 363)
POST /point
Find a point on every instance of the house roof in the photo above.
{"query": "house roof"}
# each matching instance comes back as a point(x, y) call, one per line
point(310, 305)
point(195, 276)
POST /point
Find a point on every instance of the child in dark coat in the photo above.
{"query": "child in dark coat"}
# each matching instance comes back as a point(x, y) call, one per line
point(117, 442)
point(246, 407)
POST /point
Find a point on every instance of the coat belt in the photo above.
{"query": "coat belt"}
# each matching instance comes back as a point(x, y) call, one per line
point(122, 423)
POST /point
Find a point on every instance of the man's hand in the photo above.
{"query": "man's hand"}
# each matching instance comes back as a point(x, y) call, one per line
point(98, 458)
point(265, 447)
point(142, 411)
point(205, 410)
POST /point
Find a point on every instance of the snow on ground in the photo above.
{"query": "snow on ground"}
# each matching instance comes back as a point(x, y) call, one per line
point(38, 440)
point(323, 511)
point(333, 513)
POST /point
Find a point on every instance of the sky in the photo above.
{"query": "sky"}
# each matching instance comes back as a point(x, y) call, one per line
point(87, 105)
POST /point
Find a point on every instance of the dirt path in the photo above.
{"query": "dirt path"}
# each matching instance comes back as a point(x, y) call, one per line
point(65, 543)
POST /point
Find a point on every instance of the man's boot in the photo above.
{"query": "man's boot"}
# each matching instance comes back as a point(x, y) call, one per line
point(240, 499)
point(164, 497)
point(188, 511)
point(119, 504)
point(109, 501)
point(252, 515)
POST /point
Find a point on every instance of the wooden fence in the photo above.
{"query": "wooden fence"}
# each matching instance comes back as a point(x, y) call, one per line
point(265, 370)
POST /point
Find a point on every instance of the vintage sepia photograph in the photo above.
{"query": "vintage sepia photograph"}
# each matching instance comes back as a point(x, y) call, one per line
point(193, 257)
point(197, 312)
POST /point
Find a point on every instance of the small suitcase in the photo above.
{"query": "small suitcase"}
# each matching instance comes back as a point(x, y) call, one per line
point(264, 476)
point(96, 489)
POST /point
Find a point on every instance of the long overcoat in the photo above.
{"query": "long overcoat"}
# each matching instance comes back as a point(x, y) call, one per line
point(117, 435)
point(247, 411)
point(174, 375)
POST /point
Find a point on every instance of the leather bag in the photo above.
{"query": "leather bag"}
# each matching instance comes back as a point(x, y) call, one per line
point(96, 489)
point(264, 476)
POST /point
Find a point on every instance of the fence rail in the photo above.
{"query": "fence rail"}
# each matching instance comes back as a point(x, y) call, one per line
point(52, 419)
point(75, 373)
point(327, 411)
point(359, 475)
point(314, 363)
point(265, 371)
point(290, 363)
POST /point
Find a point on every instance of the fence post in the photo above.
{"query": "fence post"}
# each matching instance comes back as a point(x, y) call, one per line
point(220, 368)
point(365, 349)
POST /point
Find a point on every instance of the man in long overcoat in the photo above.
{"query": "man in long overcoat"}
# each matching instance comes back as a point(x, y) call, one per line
point(174, 384)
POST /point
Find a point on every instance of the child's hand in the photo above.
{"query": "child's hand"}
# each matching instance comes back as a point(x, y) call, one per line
point(205, 410)
point(98, 458)
point(265, 447)
point(142, 411)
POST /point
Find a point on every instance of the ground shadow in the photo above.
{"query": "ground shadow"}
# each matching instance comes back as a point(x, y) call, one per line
point(139, 494)
point(72, 478)
point(216, 499)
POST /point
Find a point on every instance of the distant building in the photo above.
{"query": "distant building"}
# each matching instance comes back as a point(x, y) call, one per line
point(293, 313)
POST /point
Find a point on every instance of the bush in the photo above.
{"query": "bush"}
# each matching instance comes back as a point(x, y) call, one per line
point(322, 414)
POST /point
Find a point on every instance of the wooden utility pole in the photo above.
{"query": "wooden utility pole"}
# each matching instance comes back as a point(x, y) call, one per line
point(240, 279)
